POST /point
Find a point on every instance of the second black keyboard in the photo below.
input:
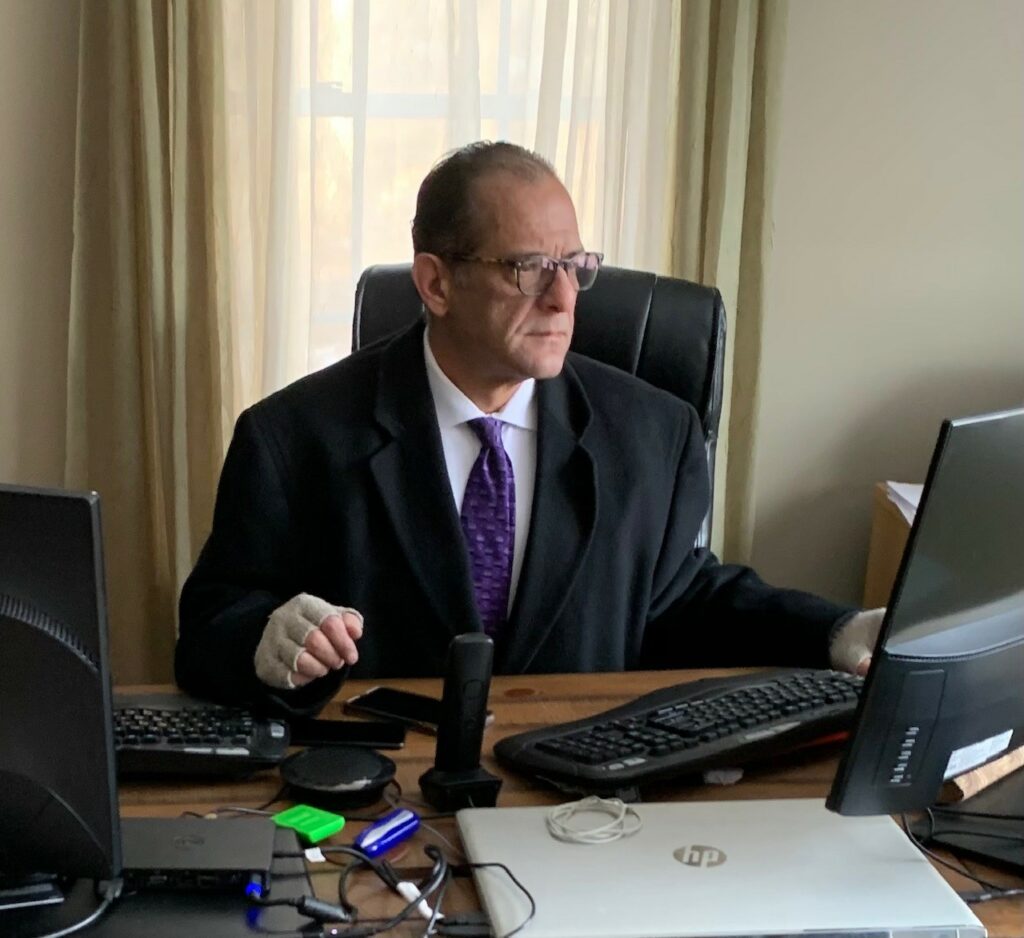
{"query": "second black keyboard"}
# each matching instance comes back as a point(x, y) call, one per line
point(687, 728)
point(168, 734)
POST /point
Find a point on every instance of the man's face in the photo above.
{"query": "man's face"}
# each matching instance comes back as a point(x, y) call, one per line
point(490, 335)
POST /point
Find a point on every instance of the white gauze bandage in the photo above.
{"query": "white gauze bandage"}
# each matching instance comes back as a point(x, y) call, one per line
point(855, 640)
point(284, 636)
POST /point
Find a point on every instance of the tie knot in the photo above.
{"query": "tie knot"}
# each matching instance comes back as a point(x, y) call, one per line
point(488, 429)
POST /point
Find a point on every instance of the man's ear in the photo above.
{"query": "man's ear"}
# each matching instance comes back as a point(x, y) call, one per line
point(433, 279)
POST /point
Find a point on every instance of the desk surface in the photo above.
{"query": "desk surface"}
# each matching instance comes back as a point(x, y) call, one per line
point(522, 703)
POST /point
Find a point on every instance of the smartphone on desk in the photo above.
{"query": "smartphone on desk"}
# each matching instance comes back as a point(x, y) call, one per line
point(416, 710)
point(376, 734)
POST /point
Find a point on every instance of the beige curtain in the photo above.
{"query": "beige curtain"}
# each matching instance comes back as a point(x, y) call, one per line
point(728, 70)
point(239, 162)
point(144, 369)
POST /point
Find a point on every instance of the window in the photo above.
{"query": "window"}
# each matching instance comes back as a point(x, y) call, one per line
point(393, 85)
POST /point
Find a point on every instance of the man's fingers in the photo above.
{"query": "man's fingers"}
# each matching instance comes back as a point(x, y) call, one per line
point(353, 624)
point(320, 647)
point(856, 641)
point(307, 666)
point(336, 629)
point(294, 650)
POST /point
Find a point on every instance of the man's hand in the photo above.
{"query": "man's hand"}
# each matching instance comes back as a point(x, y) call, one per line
point(304, 639)
point(854, 644)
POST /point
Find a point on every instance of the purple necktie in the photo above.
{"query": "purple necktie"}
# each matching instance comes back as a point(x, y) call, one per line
point(489, 524)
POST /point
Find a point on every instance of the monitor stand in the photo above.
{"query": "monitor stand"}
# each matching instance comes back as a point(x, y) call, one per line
point(999, 841)
point(24, 892)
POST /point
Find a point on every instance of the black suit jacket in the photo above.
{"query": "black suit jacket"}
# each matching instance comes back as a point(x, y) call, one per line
point(337, 486)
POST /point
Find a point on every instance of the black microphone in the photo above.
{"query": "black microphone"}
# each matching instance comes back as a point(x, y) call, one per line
point(457, 780)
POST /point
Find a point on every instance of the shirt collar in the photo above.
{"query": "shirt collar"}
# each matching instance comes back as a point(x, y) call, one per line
point(454, 408)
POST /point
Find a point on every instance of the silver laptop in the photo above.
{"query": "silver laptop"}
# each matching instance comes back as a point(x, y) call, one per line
point(723, 869)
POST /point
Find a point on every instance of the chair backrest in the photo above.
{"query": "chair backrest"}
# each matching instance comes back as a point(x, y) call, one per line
point(669, 332)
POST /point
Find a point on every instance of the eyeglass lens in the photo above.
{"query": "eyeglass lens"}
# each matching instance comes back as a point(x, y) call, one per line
point(537, 275)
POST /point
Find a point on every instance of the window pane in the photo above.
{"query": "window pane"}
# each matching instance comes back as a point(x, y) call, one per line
point(526, 45)
point(408, 46)
point(333, 284)
point(490, 130)
point(398, 156)
point(488, 35)
point(334, 42)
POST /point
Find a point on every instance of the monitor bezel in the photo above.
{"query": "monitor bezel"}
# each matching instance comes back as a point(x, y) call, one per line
point(898, 681)
point(61, 697)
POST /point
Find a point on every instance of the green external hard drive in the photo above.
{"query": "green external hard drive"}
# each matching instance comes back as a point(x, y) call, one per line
point(311, 823)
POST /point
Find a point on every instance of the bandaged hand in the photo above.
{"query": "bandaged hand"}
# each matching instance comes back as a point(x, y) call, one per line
point(854, 643)
point(305, 639)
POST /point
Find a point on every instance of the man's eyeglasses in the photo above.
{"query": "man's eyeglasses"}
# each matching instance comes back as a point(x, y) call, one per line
point(536, 272)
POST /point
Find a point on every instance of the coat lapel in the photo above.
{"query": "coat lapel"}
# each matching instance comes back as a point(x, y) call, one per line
point(410, 474)
point(562, 523)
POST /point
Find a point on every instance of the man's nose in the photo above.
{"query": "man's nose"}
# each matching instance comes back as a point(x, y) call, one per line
point(561, 295)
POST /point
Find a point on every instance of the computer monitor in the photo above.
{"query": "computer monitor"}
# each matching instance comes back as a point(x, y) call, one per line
point(944, 693)
point(58, 795)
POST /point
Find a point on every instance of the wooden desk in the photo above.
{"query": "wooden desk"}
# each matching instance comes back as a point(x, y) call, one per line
point(519, 704)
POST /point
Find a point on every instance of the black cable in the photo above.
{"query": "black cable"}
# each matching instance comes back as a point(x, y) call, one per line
point(441, 815)
point(235, 811)
point(522, 889)
point(110, 894)
point(309, 905)
point(973, 898)
point(346, 849)
point(311, 930)
point(972, 832)
point(458, 929)
point(995, 890)
point(955, 867)
point(280, 794)
point(360, 859)
point(326, 912)
point(381, 868)
point(343, 899)
point(390, 873)
point(436, 914)
point(958, 812)
point(425, 889)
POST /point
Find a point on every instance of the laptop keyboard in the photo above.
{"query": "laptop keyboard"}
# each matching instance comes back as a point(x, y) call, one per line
point(686, 729)
point(172, 737)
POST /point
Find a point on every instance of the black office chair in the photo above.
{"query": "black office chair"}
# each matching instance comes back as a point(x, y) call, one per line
point(669, 332)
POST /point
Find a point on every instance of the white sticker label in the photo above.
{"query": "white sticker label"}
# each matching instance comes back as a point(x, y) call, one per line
point(967, 757)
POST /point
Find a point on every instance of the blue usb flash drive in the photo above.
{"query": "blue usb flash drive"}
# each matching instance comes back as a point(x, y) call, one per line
point(390, 830)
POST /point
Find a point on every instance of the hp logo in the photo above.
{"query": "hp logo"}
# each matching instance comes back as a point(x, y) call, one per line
point(188, 841)
point(699, 855)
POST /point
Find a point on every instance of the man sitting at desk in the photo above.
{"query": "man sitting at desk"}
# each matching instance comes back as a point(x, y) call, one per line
point(471, 473)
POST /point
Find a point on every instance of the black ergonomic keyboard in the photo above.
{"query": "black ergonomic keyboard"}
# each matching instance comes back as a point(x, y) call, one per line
point(686, 729)
point(167, 734)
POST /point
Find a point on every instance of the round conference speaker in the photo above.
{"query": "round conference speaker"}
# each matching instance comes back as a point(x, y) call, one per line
point(338, 776)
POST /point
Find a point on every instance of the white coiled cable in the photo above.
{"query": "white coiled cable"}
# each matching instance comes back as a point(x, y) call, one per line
point(624, 821)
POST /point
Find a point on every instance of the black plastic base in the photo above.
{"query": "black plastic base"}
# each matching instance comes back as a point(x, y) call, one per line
point(35, 889)
point(450, 791)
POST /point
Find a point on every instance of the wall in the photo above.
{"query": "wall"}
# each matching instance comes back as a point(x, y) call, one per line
point(895, 284)
point(39, 77)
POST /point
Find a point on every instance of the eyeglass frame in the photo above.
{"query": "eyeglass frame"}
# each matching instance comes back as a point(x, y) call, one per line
point(516, 264)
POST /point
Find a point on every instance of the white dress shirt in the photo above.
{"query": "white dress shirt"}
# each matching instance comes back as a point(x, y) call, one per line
point(462, 446)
